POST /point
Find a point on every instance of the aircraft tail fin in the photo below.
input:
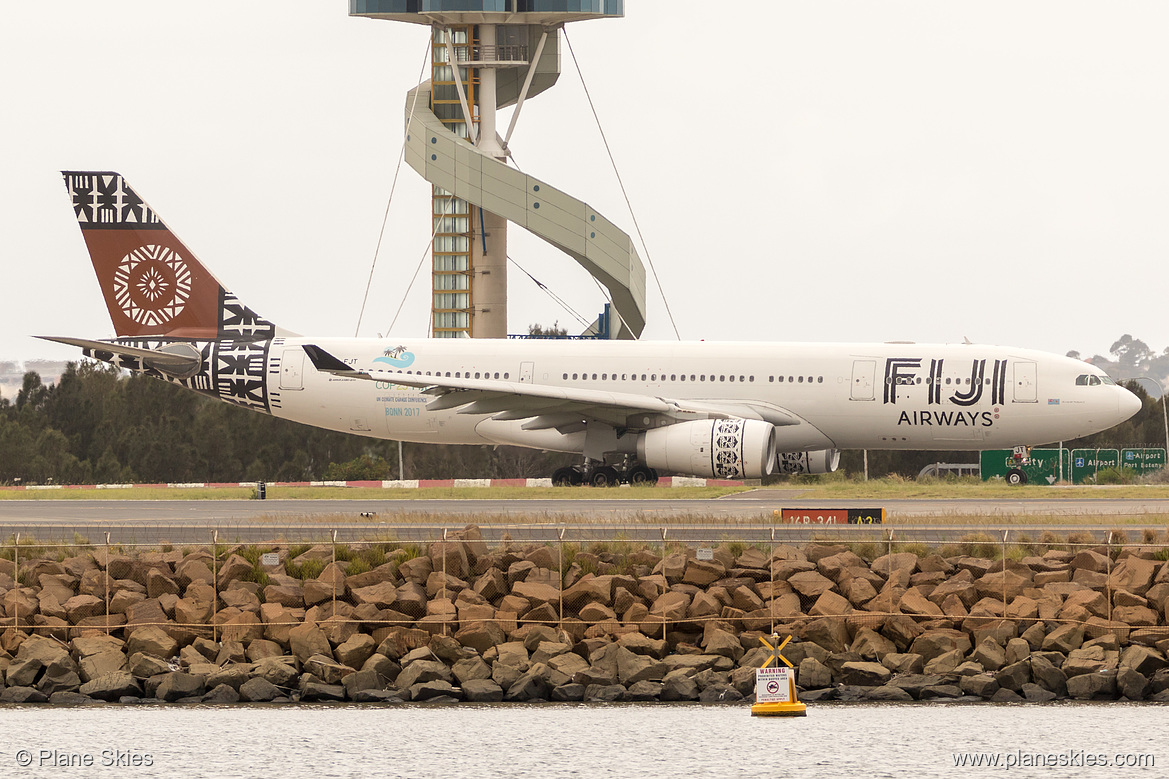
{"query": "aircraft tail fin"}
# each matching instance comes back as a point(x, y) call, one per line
point(152, 283)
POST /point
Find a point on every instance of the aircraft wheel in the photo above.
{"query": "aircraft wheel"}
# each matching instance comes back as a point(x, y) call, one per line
point(605, 477)
point(640, 474)
point(1016, 476)
point(565, 477)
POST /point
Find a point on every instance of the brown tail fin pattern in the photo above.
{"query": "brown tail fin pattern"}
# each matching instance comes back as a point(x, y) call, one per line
point(152, 283)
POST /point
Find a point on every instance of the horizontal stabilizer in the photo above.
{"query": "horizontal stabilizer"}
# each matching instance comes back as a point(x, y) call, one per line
point(179, 359)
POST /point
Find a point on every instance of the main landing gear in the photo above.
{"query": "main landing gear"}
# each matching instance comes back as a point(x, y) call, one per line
point(602, 475)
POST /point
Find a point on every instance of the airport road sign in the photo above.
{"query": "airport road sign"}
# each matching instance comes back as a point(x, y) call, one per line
point(705, 553)
point(1086, 463)
point(269, 558)
point(1043, 468)
point(1143, 460)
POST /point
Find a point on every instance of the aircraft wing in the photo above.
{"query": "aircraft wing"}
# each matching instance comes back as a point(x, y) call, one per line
point(181, 360)
point(548, 406)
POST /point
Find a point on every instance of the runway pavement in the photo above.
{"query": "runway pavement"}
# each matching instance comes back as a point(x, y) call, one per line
point(744, 516)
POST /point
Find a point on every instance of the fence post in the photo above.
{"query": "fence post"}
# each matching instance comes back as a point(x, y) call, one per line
point(107, 587)
point(16, 580)
point(664, 621)
point(889, 555)
point(333, 575)
point(1005, 532)
point(214, 584)
point(1108, 582)
point(446, 619)
point(560, 567)
point(771, 576)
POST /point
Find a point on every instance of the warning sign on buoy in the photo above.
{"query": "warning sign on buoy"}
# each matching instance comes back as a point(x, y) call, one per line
point(775, 686)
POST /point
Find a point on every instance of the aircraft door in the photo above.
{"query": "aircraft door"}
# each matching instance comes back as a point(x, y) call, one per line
point(863, 372)
point(526, 372)
point(1025, 389)
point(292, 369)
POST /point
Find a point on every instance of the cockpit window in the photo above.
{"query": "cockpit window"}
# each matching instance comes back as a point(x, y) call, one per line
point(1107, 380)
point(1093, 381)
point(1090, 380)
point(1082, 380)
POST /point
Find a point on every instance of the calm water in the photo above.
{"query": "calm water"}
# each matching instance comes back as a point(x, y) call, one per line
point(574, 740)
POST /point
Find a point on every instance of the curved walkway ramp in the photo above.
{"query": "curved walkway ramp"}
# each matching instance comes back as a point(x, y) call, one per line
point(572, 226)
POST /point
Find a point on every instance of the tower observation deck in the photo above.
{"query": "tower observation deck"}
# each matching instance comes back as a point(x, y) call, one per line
point(487, 55)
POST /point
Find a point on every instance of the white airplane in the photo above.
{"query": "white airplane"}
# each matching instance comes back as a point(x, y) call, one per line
point(631, 408)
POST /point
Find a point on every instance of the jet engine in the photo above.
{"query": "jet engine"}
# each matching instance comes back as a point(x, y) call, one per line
point(713, 448)
point(819, 461)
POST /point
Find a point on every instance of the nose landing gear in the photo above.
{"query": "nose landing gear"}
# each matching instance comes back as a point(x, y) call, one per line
point(1020, 457)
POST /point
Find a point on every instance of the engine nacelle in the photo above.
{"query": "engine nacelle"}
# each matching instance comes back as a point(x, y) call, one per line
point(712, 448)
point(819, 461)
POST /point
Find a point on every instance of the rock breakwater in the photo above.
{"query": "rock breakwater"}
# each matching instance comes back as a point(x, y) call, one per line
point(459, 620)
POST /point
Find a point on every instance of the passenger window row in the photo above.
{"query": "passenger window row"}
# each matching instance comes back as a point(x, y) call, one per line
point(459, 374)
point(656, 377)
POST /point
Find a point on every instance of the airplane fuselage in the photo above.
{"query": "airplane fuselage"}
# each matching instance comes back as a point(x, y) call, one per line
point(845, 396)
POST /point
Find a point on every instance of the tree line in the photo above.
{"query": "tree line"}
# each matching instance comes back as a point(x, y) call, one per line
point(97, 425)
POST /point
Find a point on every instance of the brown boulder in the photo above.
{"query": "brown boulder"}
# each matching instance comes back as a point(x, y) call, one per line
point(1064, 639)
point(597, 612)
point(831, 634)
point(915, 603)
point(961, 584)
point(480, 636)
point(160, 583)
point(193, 568)
point(410, 599)
point(81, 606)
point(244, 628)
point(810, 584)
point(829, 604)
point(701, 573)
point(672, 567)
point(934, 642)
point(897, 561)
point(450, 557)
point(1090, 561)
point(152, 640)
point(833, 565)
point(382, 595)
point(307, 640)
point(589, 589)
point(871, 645)
point(1134, 575)
point(671, 606)
point(703, 605)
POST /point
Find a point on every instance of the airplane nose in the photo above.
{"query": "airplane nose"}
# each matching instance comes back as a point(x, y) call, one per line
point(1128, 404)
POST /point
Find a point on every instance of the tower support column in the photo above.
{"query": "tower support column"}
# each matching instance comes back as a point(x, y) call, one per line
point(489, 231)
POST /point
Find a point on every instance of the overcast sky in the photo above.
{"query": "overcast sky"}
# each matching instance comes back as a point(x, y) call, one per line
point(821, 171)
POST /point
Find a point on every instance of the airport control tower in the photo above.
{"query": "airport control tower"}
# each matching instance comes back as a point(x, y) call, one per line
point(488, 55)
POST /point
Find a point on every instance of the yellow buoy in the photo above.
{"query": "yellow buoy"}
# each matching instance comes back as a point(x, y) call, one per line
point(775, 686)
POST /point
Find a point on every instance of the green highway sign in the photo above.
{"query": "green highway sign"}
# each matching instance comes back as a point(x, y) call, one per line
point(1086, 463)
point(1042, 469)
point(1143, 460)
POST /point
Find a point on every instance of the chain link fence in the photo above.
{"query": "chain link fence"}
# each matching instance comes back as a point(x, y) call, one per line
point(689, 586)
